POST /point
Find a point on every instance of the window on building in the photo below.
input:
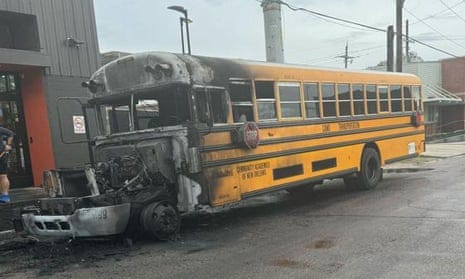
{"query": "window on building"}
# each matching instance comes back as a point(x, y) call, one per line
point(383, 98)
point(396, 98)
point(265, 98)
point(6, 40)
point(7, 83)
point(328, 94)
point(372, 104)
point(343, 92)
point(312, 100)
point(407, 98)
point(416, 98)
point(432, 114)
point(359, 100)
point(19, 31)
point(240, 93)
point(289, 98)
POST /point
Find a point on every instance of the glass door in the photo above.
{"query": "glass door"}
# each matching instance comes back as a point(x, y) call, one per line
point(12, 117)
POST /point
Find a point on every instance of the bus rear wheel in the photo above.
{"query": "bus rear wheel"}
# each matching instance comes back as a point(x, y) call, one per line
point(370, 172)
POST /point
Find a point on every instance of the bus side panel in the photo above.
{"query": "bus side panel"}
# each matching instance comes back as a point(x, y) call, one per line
point(223, 185)
point(246, 178)
point(400, 148)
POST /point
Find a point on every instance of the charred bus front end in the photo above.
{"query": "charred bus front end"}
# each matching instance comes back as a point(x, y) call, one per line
point(145, 161)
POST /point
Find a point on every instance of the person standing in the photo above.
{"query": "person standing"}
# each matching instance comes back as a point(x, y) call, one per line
point(7, 139)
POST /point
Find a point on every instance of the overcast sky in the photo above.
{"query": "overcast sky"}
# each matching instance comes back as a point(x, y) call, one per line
point(234, 28)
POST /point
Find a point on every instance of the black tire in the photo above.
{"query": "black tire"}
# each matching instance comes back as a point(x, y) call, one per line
point(370, 170)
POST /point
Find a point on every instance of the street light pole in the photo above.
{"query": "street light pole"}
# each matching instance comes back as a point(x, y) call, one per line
point(187, 21)
point(182, 35)
point(187, 32)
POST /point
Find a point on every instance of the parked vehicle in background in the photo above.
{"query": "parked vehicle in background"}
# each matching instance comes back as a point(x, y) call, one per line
point(180, 133)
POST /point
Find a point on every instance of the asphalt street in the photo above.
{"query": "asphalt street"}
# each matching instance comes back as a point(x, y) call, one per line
point(411, 226)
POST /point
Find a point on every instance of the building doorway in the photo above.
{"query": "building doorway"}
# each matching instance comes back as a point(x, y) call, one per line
point(11, 111)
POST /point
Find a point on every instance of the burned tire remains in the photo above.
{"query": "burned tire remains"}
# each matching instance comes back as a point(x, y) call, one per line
point(161, 219)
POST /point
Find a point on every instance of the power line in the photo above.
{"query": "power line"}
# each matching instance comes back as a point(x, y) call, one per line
point(432, 47)
point(434, 29)
point(328, 16)
point(450, 9)
point(356, 23)
point(438, 13)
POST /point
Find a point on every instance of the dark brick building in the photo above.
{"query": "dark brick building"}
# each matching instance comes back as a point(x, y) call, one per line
point(453, 80)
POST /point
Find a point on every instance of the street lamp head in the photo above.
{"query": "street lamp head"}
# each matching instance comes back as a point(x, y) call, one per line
point(178, 9)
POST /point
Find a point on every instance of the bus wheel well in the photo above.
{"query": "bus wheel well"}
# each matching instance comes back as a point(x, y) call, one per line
point(374, 146)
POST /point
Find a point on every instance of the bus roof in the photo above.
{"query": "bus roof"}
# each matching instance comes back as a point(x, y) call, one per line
point(148, 70)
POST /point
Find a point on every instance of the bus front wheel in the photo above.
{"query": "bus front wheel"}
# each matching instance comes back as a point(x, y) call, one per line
point(370, 172)
point(161, 219)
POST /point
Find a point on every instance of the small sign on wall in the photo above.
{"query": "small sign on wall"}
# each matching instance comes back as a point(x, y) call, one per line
point(78, 124)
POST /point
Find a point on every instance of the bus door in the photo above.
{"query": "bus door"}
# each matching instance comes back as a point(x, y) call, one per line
point(213, 109)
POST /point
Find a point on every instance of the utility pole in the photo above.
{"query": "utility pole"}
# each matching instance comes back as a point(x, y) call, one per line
point(346, 56)
point(399, 6)
point(407, 50)
point(390, 49)
point(273, 31)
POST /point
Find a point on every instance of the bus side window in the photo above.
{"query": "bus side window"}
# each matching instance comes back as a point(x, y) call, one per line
point(416, 98)
point(407, 99)
point(289, 97)
point(396, 98)
point(371, 99)
point(240, 93)
point(266, 102)
point(211, 106)
point(343, 91)
point(358, 97)
point(328, 93)
point(383, 99)
point(203, 111)
point(312, 100)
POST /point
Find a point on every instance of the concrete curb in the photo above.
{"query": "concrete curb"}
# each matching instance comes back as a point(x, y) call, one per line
point(406, 169)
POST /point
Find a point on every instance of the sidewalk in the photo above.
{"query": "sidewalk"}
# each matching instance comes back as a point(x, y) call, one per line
point(444, 150)
point(434, 152)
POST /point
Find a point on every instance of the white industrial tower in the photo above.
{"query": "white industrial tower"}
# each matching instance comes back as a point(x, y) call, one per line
point(273, 31)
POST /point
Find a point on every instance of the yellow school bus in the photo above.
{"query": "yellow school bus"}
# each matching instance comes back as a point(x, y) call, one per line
point(179, 133)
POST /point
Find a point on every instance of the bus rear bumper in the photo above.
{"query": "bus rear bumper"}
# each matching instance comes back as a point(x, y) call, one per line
point(84, 222)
